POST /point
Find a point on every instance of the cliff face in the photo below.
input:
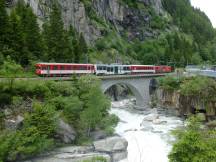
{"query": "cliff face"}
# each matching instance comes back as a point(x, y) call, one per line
point(132, 22)
point(186, 105)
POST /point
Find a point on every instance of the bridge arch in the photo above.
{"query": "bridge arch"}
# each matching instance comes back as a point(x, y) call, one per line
point(139, 88)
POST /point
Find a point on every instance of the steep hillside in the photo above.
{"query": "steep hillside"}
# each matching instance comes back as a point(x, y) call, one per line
point(136, 31)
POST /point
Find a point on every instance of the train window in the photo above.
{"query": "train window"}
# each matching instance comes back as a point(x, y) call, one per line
point(111, 69)
point(38, 67)
point(69, 67)
point(125, 68)
point(104, 68)
point(44, 67)
point(83, 68)
point(62, 67)
point(108, 69)
point(55, 67)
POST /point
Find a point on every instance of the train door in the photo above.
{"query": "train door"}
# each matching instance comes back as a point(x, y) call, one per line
point(116, 70)
point(48, 70)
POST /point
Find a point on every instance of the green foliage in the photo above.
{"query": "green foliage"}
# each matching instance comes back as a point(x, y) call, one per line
point(96, 105)
point(194, 144)
point(170, 83)
point(108, 123)
point(202, 87)
point(44, 118)
point(10, 68)
point(80, 103)
point(5, 29)
point(193, 22)
point(23, 144)
point(190, 20)
point(130, 3)
point(96, 159)
point(56, 38)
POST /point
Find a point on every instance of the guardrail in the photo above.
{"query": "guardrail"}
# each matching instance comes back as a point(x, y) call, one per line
point(208, 73)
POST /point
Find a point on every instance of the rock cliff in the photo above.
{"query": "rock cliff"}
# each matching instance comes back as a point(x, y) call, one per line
point(87, 16)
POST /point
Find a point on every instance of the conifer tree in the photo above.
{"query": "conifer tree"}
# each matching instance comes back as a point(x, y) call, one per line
point(31, 30)
point(74, 42)
point(56, 40)
point(4, 28)
point(84, 49)
point(19, 51)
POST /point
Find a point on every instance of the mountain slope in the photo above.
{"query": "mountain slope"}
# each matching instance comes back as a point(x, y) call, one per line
point(140, 31)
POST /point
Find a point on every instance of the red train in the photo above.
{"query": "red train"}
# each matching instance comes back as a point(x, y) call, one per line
point(66, 69)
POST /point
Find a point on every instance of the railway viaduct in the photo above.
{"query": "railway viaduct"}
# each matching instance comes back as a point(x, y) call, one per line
point(140, 86)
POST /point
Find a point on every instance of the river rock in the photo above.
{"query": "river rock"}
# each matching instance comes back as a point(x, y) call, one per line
point(65, 132)
point(151, 117)
point(68, 157)
point(130, 130)
point(212, 124)
point(119, 156)
point(13, 124)
point(99, 134)
point(158, 121)
point(76, 149)
point(111, 144)
point(147, 128)
point(8, 112)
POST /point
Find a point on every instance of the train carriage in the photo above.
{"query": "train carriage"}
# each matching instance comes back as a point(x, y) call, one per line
point(137, 69)
point(63, 69)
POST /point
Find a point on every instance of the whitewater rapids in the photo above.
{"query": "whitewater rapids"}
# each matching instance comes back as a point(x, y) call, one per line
point(147, 132)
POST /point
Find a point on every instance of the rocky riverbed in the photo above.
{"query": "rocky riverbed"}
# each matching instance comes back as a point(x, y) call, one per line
point(112, 149)
point(147, 132)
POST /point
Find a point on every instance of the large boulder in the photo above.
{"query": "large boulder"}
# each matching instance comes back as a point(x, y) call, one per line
point(65, 132)
point(111, 144)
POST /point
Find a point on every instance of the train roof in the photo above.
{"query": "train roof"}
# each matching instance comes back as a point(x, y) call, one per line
point(48, 63)
point(142, 65)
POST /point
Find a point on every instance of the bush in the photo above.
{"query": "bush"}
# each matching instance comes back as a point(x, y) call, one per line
point(199, 86)
point(194, 144)
point(44, 118)
point(10, 68)
point(72, 110)
point(22, 144)
point(96, 159)
point(109, 123)
point(170, 83)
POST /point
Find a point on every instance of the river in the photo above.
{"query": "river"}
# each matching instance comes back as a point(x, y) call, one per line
point(147, 132)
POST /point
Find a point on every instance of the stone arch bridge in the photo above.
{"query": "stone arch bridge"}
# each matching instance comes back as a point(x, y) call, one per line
point(140, 86)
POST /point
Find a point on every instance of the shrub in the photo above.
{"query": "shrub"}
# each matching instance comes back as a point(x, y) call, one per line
point(109, 123)
point(72, 110)
point(10, 68)
point(22, 144)
point(194, 144)
point(44, 118)
point(199, 86)
point(170, 83)
point(96, 159)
